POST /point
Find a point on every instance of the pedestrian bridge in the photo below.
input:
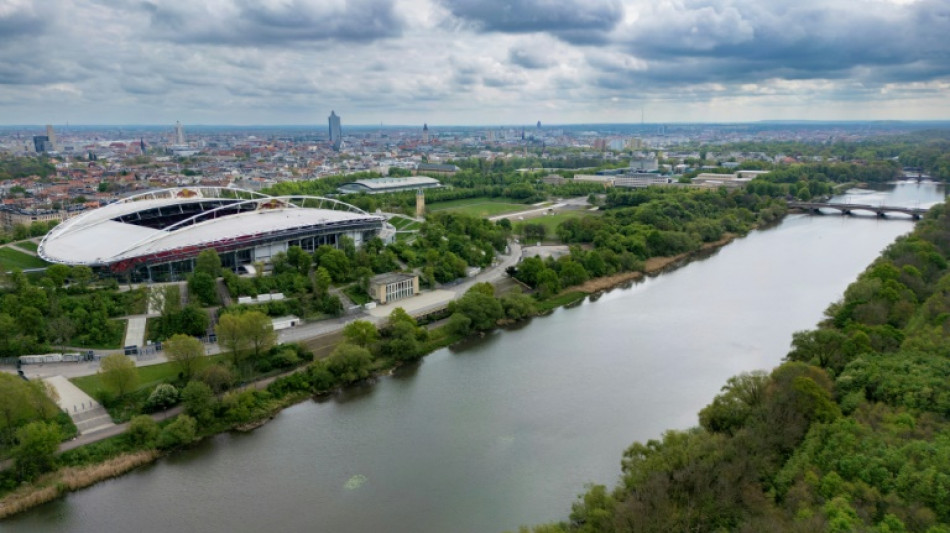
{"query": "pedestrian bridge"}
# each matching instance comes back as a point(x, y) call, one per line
point(848, 208)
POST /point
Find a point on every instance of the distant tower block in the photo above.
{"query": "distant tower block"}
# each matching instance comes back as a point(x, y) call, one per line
point(336, 132)
point(425, 133)
point(539, 124)
point(51, 135)
point(420, 203)
point(179, 134)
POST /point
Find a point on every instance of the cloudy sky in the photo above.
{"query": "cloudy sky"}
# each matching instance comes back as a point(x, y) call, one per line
point(471, 61)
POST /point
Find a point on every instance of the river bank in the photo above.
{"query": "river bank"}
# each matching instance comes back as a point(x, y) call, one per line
point(69, 479)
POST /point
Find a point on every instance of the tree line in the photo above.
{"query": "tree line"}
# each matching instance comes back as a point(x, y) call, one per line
point(852, 433)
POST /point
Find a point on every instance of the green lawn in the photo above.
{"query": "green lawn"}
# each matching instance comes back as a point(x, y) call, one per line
point(479, 207)
point(11, 259)
point(149, 376)
point(404, 224)
point(27, 245)
point(550, 222)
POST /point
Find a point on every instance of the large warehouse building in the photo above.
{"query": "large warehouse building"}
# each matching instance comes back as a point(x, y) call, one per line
point(156, 236)
point(385, 185)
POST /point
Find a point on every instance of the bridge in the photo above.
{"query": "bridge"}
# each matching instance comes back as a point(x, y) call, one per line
point(847, 208)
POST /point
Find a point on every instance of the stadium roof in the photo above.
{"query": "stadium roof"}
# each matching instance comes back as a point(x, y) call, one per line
point(171, 219)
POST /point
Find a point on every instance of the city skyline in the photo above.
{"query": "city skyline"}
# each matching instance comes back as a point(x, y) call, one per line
point(444, 62)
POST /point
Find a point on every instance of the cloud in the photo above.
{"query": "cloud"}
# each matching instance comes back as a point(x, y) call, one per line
point(21, 17)
point(272, 22)
point(291, 61)
point(749, 39)
point(568, 18)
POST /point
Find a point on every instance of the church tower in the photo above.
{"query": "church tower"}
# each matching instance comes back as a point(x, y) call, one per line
point(420, 203)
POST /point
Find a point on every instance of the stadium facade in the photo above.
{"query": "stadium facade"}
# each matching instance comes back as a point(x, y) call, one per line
point(156, 236)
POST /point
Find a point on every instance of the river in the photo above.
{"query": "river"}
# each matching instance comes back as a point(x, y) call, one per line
point(507, 429)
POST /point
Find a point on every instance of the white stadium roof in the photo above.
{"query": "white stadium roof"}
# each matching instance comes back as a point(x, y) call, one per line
point(98, 238)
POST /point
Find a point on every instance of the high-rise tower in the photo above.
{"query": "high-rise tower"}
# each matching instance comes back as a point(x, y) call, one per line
point(425, 133)
point(336, 133)
point(179, 134)
point(51, 136)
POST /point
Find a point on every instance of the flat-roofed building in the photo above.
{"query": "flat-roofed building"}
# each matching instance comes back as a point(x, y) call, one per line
point(394, 286)
point(385, 185)
point(436, 168)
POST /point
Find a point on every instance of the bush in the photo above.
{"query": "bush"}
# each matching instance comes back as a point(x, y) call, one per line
point(36, 451)
point(162, 397)
point(181, 432)
point(199, 401)
point(143, 431)
point(218, 377)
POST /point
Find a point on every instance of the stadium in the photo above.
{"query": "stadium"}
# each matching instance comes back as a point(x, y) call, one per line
point(156, 236)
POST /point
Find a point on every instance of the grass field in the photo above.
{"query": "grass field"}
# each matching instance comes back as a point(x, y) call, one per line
point(10, 259)
point(550, 222)
point(404, 224)
point(149, 376)
point(479, 207)
point(27, 245)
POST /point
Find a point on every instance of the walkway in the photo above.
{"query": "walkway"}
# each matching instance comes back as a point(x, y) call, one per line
point(86, 413)
point(135, 331)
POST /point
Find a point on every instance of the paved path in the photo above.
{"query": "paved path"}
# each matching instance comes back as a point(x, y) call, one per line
point(24, 250)
point(86, 413)
point(135, 331)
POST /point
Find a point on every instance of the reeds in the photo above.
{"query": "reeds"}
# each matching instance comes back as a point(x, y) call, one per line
point(54, 485)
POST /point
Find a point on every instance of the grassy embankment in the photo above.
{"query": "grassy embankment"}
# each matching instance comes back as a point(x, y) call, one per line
point(11, 259)
point(27, 245)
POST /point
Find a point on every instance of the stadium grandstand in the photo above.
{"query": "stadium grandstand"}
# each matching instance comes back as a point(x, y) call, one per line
point(156, 236)
point(384, 185)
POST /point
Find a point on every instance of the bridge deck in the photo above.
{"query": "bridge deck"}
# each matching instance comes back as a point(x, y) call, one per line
point(847, 208)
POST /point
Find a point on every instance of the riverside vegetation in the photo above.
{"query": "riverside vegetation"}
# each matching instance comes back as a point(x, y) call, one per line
point(850, 434)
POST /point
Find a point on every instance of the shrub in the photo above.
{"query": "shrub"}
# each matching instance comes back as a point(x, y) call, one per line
point(179, 433)
point(162, 397)
point(143, 431)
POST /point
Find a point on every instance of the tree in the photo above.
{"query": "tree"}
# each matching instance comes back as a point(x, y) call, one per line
point(143, 431)
point(349, 363)
point(118, 373)
point(335, 261)
point(203, 286)
point(21, 402)
point(361, 333)
point(58, 274)
point(164, 396)
point(218, 377)
point(483, 310)
point(179, 433)
point(259, 330)
point(459, 324)
point(192, 320)
point(82, 275)
point(186, 352)
point(231, 335)
point(61, 329)
point(35, 452)
point(199, 401)
point(208, 262)
point(300, 259)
